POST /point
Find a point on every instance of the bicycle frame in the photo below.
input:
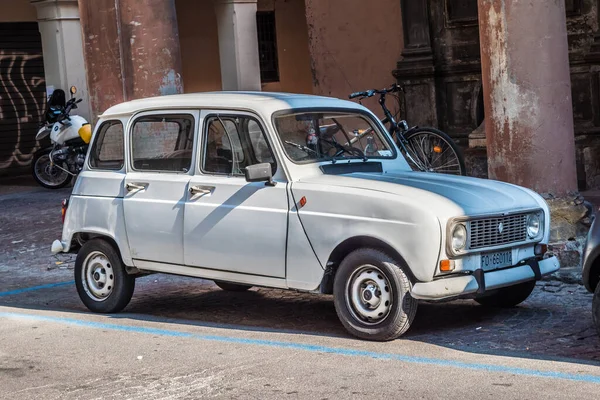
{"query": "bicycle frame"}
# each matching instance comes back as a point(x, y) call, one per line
point(395, 128)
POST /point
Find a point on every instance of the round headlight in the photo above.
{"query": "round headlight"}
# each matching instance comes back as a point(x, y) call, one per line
point(459, 237)
point(534, 224)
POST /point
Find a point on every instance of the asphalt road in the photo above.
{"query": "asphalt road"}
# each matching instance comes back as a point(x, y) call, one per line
point(184, 338)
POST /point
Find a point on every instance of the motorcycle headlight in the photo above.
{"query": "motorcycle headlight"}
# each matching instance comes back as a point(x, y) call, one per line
point(534, 225)
point(459, 237)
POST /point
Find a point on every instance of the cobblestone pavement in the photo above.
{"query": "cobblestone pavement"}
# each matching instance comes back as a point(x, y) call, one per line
point(555, 322)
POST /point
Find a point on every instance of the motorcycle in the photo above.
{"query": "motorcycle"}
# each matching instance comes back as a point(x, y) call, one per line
point(55, 166)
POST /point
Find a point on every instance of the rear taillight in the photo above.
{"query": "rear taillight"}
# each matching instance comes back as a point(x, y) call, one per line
point(63, 211)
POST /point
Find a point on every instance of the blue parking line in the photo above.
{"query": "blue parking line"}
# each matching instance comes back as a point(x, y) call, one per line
point(31, 289)
point(595, 379)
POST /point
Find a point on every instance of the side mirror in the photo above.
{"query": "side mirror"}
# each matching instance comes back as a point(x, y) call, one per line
point(260, 173)
point(73, 90)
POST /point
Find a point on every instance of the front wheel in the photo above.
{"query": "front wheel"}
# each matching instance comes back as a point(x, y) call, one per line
point(372, 296)
point(47, 174)
point(431, 150)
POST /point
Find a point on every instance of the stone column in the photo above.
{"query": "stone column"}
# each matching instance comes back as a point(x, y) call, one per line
point(528, 108)
point(238, 44)
point(63, 49)
point(527, 87)
point(131, 50)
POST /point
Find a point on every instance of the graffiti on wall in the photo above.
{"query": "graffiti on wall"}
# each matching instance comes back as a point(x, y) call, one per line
point(22, 104)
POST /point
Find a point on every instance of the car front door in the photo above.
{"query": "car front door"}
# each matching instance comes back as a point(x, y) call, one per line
point(160, 168)
point(230, 224)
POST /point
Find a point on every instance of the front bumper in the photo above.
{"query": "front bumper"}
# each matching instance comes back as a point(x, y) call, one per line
point(479, 281)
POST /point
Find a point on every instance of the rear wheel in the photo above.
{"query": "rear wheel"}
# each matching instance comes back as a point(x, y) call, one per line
point(47, 174)
point(372, 296)
point(434, 151)
point(508, 296)
point(232, 287)
point(100, 277)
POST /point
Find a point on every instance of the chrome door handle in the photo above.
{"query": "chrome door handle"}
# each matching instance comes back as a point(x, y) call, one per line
point(201, 190)
point(136, 186)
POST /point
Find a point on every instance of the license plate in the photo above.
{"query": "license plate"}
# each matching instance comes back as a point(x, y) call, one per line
point(496, 260)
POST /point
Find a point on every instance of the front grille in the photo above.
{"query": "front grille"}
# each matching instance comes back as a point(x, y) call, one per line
point(486, 232)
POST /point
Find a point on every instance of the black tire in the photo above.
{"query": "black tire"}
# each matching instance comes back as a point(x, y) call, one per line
point(399, 314)
point(106, 257)
point(450, 151)
point(507, 297)
point(596, 309)
point(232, 287)
point(35, 170)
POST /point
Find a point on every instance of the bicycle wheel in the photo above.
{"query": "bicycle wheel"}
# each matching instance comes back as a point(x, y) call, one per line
point(434, 151)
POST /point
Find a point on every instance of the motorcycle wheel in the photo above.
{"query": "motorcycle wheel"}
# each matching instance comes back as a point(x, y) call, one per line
point(47, 175)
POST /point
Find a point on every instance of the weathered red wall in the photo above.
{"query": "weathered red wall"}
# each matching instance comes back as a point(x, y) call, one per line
point(354, 45)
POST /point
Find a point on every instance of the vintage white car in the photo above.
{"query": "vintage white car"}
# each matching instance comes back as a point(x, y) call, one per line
point(292, 192)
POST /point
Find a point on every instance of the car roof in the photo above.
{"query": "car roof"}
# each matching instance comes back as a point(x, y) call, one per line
point(266, 102)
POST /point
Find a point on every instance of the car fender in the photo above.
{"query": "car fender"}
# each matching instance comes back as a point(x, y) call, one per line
point(331, 215)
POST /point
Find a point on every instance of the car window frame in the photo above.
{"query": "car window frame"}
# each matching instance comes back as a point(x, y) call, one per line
point(211, 114)
point(386, 135)
point(193, 114)
point(94, 142)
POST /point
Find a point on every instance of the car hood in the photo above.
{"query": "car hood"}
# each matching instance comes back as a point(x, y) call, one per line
point(472, 195)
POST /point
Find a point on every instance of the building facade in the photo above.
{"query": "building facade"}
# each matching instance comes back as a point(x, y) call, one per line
point(127, 49)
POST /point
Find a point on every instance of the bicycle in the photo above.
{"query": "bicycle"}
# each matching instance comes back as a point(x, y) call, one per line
point(426, 149)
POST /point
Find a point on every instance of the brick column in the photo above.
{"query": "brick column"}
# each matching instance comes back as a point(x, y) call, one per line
point(131, 50)
point(528, 109)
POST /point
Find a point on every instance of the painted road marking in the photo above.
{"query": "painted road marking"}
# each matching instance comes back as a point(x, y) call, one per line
point(311, 348)
point(31, 289)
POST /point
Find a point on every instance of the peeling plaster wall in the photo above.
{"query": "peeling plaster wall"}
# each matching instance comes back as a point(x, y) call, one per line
point(354, 45)
point(529, 114)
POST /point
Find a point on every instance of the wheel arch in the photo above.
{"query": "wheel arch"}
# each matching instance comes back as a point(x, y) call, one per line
point(354, 243)
point(82, 237)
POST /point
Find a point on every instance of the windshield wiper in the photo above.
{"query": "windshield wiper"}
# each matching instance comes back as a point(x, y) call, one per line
point(305, 149)
point(354, 151)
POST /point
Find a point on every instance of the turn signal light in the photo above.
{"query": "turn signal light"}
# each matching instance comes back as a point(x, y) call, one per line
point(302, 201)
point(446, 265)
point(541, 249)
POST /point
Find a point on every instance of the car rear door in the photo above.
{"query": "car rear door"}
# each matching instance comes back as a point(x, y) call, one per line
point(162, 155)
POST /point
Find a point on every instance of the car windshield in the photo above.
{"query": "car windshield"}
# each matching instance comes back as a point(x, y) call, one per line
point(320, 136)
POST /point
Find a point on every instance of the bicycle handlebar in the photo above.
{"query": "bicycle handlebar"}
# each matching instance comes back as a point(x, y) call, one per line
point(370, 93)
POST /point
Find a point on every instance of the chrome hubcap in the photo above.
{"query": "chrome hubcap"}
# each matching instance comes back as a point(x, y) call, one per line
point(98, 276)
point(369, 295)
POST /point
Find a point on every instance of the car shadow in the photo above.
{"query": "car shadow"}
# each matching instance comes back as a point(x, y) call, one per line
point(538, 329)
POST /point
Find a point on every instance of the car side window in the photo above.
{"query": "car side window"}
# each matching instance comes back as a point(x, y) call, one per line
point(107, 150)
point(163, 143)
point(232, 143)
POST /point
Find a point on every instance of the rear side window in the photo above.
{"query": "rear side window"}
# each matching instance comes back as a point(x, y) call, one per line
point(107, 151)
point(163, 143)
